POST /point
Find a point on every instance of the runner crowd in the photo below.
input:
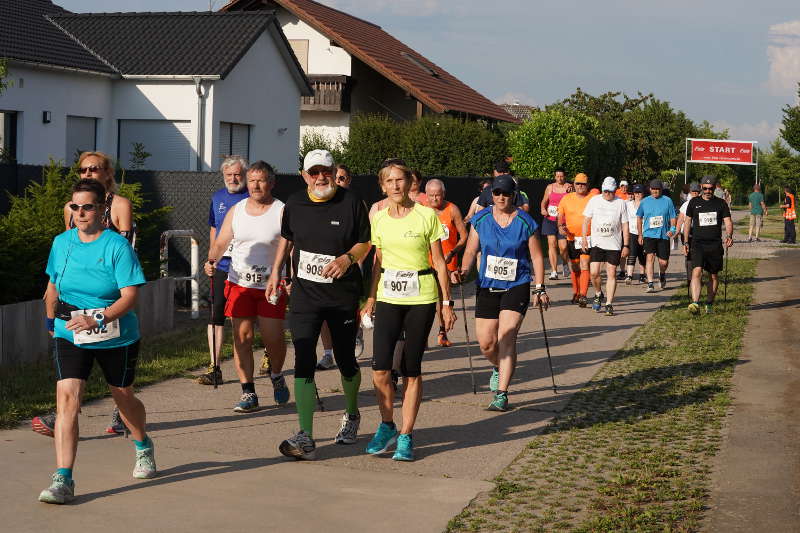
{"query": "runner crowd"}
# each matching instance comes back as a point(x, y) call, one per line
point(331, 266)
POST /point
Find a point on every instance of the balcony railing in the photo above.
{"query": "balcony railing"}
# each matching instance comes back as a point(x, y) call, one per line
point(331, 93)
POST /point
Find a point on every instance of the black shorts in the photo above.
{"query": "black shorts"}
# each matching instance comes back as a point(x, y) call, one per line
point(599, 255)
point(216, 312)
point(305, 327)
point(118, 364)
point(660, 247)
point(707, 255)
point(573, 253)
point(489, 303)
point(391, 321)
point(550, 227)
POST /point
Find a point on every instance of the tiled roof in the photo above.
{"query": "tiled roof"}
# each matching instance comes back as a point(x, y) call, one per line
point(426, 81)
point(26, 35)
point(520, 111)
point(164, 44)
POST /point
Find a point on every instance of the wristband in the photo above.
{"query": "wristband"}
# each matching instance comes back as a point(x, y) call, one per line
point(539, 289)
point(673, 229)
point(626, 245)
point(350, 257)
point(50, 323)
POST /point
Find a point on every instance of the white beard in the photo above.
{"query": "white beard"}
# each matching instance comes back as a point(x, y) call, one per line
point(323, 194)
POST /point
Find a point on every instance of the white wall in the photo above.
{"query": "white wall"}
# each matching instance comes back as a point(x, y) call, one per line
point(261, 91)
point(62, 93)
point(334, 125)
point(322, 57)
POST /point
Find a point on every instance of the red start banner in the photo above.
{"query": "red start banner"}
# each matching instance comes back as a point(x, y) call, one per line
point(724, 152)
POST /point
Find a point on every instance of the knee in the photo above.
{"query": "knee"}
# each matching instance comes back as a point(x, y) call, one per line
point(488, 345)
point(244, 338)
point(68, 400)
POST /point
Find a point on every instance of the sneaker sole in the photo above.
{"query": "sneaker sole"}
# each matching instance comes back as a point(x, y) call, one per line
point(288, 451)
point(46, 498)
point(498, 409)
point(41, 429)
point(145, 475)
point(284, 402)
point(396, 457)
point(345, 441)
point(391, 442)
point(243, 410)
point(113, 431)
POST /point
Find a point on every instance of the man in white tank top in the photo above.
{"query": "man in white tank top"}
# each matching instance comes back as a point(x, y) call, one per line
point(250, 235)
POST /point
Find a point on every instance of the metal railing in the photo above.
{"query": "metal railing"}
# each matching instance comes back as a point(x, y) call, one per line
point(195, 264)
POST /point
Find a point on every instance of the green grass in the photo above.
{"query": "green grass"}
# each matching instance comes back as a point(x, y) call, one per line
point(633, 450)
point(772, 228)
point(29, 389)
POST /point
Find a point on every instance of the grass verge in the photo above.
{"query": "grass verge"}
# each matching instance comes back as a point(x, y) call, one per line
point(29, 389)
point(772, 228)
point(632, 450)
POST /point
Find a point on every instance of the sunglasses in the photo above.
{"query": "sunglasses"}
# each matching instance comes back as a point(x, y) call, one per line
point(708, 188)
point(498, 192)
point(579, 183)
point(85, 207)
point(324, 172)
point(92, 169)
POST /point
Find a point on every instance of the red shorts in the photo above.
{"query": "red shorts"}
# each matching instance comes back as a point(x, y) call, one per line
point(244, 302)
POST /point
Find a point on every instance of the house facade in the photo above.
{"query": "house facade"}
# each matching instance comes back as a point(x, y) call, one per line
point(178, 84)
point(355, 66)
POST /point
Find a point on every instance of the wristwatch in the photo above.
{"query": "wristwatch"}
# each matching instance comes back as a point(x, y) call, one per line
point(448, 303)
point(100, 318)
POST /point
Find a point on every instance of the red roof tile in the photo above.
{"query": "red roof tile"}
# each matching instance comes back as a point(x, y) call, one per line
point(409, 70)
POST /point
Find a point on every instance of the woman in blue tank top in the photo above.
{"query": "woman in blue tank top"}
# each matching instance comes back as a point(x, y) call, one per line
point(505, 237)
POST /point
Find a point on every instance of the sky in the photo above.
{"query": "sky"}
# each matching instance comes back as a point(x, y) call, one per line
point(734, 63)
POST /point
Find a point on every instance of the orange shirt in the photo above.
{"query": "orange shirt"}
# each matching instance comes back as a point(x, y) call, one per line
point(571, 207)
point(450, 238)
point(789, 212)
point(620, 194)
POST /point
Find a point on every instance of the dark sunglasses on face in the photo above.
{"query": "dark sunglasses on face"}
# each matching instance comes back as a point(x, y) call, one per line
point(498, 192)
point(92, 169)
point(708, 188)
point(320, 172)
point(85, 207)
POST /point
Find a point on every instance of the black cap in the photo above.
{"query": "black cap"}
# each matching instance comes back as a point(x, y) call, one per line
point(638, 187)
point(708, 180)
point(694, 187)
point(504, 183)
point(656, 184)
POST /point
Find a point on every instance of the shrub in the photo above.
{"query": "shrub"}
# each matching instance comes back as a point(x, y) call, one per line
point(316, 140)
point(372, 139)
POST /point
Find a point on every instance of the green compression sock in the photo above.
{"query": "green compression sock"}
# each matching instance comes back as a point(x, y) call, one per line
point(143, 444)
point(66, 472)
point(305, 399)
point(350, 386)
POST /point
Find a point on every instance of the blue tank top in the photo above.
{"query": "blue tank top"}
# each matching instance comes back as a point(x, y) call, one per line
point(505, 261)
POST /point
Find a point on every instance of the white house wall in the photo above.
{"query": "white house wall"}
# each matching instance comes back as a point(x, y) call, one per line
point(323, 58)
point(335, 125)
point(62, 93)
point(261, 91)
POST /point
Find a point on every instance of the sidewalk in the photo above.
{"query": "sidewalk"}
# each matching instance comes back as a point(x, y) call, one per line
point(222, 471)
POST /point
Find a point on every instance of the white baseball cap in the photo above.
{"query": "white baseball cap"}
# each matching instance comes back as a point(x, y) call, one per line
point(317, 158)
point(623, 182)
point(609, 184)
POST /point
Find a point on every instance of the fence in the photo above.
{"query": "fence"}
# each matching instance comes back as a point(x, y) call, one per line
point(23, 338)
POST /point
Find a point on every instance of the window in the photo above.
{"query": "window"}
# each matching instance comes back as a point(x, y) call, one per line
point(166, 141)
point(8, 136)
point(234, 139)
point(300, 48)
point(81, 136)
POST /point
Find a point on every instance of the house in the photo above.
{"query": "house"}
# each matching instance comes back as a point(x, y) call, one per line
point(520, 111)
point(355, 66)
point(180, 84)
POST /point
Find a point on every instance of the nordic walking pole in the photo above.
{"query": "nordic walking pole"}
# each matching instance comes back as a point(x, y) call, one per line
point(547, 346)
point(725, 298)
point(213, 331)
point(466, 334)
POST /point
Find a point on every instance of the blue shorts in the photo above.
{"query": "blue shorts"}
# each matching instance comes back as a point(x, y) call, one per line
point(550, 227)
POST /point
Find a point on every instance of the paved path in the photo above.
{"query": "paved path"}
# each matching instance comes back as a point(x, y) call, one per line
point(222, 471)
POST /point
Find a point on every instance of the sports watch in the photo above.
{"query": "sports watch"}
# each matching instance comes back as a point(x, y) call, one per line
point(448, 303)
point(100, 318)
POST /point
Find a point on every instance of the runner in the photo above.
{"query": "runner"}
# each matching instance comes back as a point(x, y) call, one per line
point(607, 215)
point(705, 216)
point(328, 230)
point(473, 206)
point(94, 277)
point(407, 239)
point(570, 224)
point(789, 216)
point(758, 210)
point(510, 249)
point(233, 169)
point(414, 193)
point(503, 168)
point(653, 214)
point(250, 234)
point(556, 241)
point(636, 249)
point(622, 192)
point(453, 240)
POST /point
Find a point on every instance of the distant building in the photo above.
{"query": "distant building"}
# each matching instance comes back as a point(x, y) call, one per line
point(519, 111)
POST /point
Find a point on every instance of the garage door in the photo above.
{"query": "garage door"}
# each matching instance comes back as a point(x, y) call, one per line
point(166, 141)
point(81, 136)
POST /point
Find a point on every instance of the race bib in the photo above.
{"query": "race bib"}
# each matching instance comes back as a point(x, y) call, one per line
point(552, 210)
point(107, 332)
point(310, 266)
point(708, 219)
point(656, 222)
point(228, 250)
point(254, 277)
point(602, 228)
point(400, 283)
point(579, 242)
point(501, 268)
point(446, 235)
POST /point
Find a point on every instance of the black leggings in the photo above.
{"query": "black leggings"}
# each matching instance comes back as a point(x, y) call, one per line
point(636, 251)
point(216, 315)
point(390, 322)
point(305, 328)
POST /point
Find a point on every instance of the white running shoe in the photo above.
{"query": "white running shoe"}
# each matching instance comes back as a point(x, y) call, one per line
point(553, 275)
point(326, 363)
point(348, 431)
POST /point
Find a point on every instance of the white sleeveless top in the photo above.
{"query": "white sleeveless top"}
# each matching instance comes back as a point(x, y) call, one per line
point(254, 244)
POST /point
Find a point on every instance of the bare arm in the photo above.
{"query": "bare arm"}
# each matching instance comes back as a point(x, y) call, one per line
point(537, 260)
point(222, 240)
point(67, 216)
point(437, 258)
point(470, 252)
point(274, 280)
point(461, 228)
point(339, 266)
point(121, 307)
point(546, 199)
point(369, 305)
point(122, 214)
point(728, 231)
point(584, 229)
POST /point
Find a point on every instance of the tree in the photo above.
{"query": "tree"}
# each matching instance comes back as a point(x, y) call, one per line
point(782, 166)
point(791, 123)
point(3, 73)
point(655, 137)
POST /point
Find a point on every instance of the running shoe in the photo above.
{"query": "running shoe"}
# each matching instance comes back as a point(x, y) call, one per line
point(279, 390)
point(300, 446)
point(596, 303)
point(694, 308)
point(247, 403)
point(553, 275)
point(609, 310)
point(405, 448)
point(662, 278)
point(266, 367)
point(44, 425)
point(499, 402)
point(384, 438)
point(443, 340)
point(326, 363)
point(116, 426)
point(709, 309)
point(628, 280)
point(575, 298)
point(61, 491)
point(567, 272)
point(582, 301)
point(620, 275)
point(208, 377)
point(650, 287)
point(494, 380)
point(145, 467)
point(348, 431)
point(642, 278)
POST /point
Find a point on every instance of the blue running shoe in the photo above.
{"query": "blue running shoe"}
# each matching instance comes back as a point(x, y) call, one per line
point(384, 438)
point(494, 380)
point(405, 448)
point(247, 403)
point(596, 303)
point(499, 402)
point(280, 390)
